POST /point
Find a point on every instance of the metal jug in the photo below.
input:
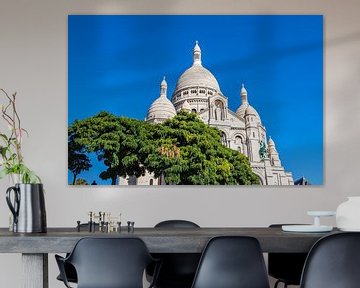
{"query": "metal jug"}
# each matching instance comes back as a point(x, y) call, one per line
point(28, 208)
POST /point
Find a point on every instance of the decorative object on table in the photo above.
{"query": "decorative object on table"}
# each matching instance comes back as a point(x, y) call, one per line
point(28, 208)
point(27, 204)
point(316, 227)
point(101, 221)
point(348, 214)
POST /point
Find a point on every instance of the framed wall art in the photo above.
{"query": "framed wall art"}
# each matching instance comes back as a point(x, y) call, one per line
point(195, 99)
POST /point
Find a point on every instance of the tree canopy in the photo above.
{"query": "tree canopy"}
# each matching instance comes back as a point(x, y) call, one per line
point(182, 150)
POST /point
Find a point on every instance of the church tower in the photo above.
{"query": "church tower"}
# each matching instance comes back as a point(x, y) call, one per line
point(252, 134)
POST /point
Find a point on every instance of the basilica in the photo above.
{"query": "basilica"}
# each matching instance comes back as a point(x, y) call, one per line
point(198, 91)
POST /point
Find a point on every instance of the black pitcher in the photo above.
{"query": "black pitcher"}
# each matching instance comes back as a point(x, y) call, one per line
point(28, 208)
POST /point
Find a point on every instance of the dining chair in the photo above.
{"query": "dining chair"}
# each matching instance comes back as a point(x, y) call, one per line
point(231, 262)
point(108, 263)
point(69, 269)
point(333, 262)
point(285, 267)
point(178, 269)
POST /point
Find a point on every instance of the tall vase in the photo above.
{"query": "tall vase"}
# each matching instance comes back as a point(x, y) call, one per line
point(27, 204)
point(348, 214)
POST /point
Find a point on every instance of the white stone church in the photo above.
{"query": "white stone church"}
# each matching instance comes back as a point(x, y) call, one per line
point(198, 91)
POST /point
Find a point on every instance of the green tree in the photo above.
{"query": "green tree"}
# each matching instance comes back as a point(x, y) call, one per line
point(116, 141)
point(78, 161)
point(183, 150)
point(187, 151)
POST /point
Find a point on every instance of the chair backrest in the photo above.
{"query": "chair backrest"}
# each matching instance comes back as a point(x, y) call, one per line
point(176, 224)
point(232, 262)
point(178, 269)
point(333, 262)
point(110, 262)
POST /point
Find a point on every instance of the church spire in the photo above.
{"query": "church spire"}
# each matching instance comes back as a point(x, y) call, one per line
point(243, 94)
point(163, 88)
point(197, 54)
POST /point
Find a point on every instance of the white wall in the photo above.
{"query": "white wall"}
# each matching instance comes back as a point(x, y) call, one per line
point(33, 62)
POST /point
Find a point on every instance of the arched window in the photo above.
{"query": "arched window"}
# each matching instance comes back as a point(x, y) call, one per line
point(239, 143)
point(193, 110)
point(151, 182)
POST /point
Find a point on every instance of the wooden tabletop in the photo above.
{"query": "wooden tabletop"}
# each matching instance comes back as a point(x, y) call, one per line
point(158, 240)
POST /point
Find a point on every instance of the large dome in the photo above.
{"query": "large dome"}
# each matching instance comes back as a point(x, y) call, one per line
point(197, 75)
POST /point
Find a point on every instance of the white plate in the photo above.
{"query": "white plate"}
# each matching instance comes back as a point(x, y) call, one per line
point(306, 228)
point(321, 213)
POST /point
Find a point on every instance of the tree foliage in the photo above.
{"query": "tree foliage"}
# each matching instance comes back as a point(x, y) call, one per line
point(183, 150)
point(78, 161)
point(115, 140)
point(198, 157)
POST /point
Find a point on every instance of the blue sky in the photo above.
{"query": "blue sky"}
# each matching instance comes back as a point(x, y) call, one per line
point(116, 63)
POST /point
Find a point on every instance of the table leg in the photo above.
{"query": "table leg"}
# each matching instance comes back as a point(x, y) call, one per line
point(35, 270)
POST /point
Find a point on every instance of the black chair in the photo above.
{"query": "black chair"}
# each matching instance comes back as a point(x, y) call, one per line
point(69, 269)
point(178, 269)
point(333, 262)
point(232, 262)
point(286, 267)
point(108, 263)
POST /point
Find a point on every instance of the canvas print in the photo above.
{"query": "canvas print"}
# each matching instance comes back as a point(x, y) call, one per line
point(195, 100)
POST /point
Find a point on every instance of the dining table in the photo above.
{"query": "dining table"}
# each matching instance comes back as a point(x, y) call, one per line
point(35, 247)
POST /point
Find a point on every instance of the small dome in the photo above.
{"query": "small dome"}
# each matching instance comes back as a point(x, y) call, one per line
point(245, 109)
point(241, 110)
point(271, 145)
point(251, 111)
point(161, 109)
point(271, 142)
